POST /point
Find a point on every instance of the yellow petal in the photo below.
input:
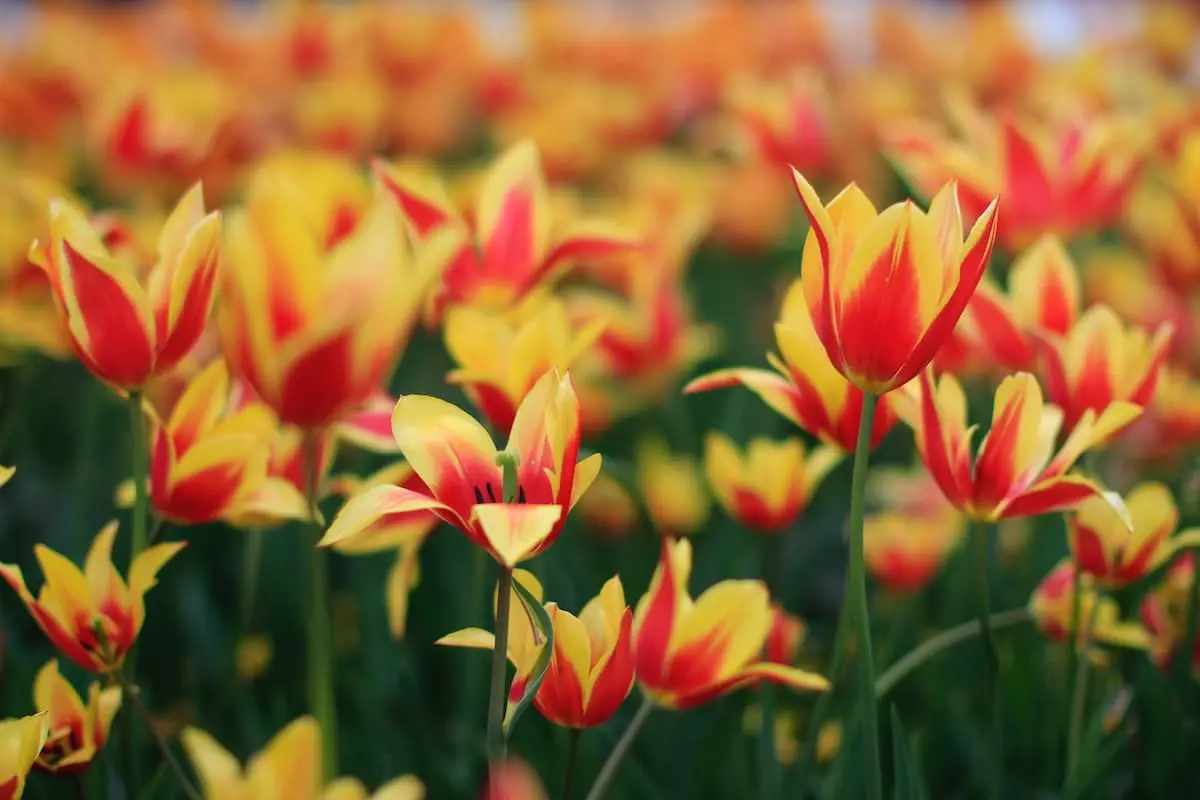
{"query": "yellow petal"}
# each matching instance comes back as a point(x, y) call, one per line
point(290, 765)
point(218, 771)
point(473, 638)
point(515, 531)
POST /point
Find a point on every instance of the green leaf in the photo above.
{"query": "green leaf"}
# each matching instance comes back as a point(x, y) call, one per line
point(905, 773)
point(544, 632)
point(158, 783)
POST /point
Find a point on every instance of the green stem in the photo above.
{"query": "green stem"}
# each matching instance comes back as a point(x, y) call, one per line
point(496, 743)
point(251, 560)
point(1079, 698)
point(980, 541)
point(768, 765)
point(1073, 647)
point(609, 770)
point(569, 761)
point(138, 539)
point(856, 598)
point(927, 650)
point(320, 645)
point(129, 696)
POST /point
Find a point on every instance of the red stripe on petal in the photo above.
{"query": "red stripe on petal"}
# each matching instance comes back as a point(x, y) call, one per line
point(560, 699)
point(318, 386)
point(1057, 494)
point(204, 496)
point(657, 625)
point(615, 678)
point(509, 252)
point(1088, 551)
point(179, 340)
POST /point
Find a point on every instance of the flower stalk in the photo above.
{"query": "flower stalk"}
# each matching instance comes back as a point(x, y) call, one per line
point(320, 629)
point(980, 536)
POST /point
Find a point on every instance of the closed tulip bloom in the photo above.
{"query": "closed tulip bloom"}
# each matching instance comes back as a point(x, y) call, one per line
point(591, 668)
point(124, 328)
point(769, 485)
point(1016, 471)
point(207, 458)
point(313, 331)
point(907, 542)
point(887, 288)
point(804, 388)
point(501, 356)
point(690, 652)
point(1117, 551)
point(92, 616)
point(288, 768)
point(20, 742)
point(514, 780)
point(672, 488)
point(1052, 608)
point(77, 731)
point(1101, 361)
point(459, 463)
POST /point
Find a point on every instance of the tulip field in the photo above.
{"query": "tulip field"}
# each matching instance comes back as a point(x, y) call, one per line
point(538, 400)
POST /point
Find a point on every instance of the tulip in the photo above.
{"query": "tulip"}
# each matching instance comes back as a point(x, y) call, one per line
point(20, 742)
point(910, 538)
point(1166, 227)
point(514, 780)
point(785, 123)
point(591, 668)
point(513, 251)
point(608, 508)
point(688, 653)
point(207, 458)
point(887, 288)
point(126, 330)
point(77, 731)
point(770, 485)
point(332, 193)
point(1016, 472)
point(672, 488)
point(455, 456)
point(288, 767)
point(1175, 412)
point(1052, 602)
point(1100, 362)
point(1165, 611)
point(315, 332)
point(785, 637)
point(501, 356)
point(1118, 550)
point(92, 616)
point(804, 388)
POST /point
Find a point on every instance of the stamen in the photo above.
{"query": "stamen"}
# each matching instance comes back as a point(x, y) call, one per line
point(492, 494)
point(479, 495)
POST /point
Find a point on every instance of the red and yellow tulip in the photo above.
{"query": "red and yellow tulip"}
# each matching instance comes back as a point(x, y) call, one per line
point(500, 356)
point(908, 540)
point(785, 637)
point(887, 288)
point(332, 192)
point(609, 508)
point(314, 331)
point(1016, 471)
point(672, 488)
point(288, 767)
point(591, 668)
point(690, 652)
point(127, 328)
point(457, 460)
point(514, 780)
point(1165, 610)
point(508, 247)
point(20, 742)
point(804, 388)
point(77, 731)
point(1117, 551)
point(1052, 608)
point(1174, 415)
point(769, 485)
point(92, 616)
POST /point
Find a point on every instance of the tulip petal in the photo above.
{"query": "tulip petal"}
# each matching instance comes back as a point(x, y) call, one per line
point(512, 218)
point(370, 428)
point(1060, 493)
point(374, 510)
point(473, 638)
point(290, 766)
point(514, 533)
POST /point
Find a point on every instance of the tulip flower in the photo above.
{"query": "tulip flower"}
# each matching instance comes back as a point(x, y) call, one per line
point(207, 458)
point(455, 457)
point(608, 508)
point(77, 731)
point(1100, 362)
point(804, 388)
point(672, 488)
point(785, 123)
point(501, 356)
point(314, 333)
point(887, 288)
point(127, 330)
point(591, 668)
point(332, 192)
point(288, 767)
point(1051, 606)
point(688, 653)
point(20, 742)
point(785, 637)
point(1016, 471)
point(92, 616)
point(514, 780)
point(515, 249)
point(1165, 610)
point(906, 542)
point(1117, 551)
point(1175, 413)
point(1165, 225)
point(769, 486)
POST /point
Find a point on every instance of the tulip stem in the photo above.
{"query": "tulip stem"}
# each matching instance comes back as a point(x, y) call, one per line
point(768, 764)
point(1073, 646)
point(320, 645)
point(495, 724)
point(609, 770)
point(980, 541)
point(137, 545)
point(856, 599)
point(569, 760)
point(1079, 698)
point(129, 694)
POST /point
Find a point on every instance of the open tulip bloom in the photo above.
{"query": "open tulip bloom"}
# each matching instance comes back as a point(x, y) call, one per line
point(20, 742)
point(459, 463)
point(77, 731)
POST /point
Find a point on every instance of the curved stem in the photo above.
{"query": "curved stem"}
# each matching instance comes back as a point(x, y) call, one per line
point(569, 761)
point(931, 648)
point(856, 599)
point(496, 744)
point(609, 770)
point(980, 542)
point(137, 545)
point(1079, 698)
point(129, 695)
point(320, 645)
